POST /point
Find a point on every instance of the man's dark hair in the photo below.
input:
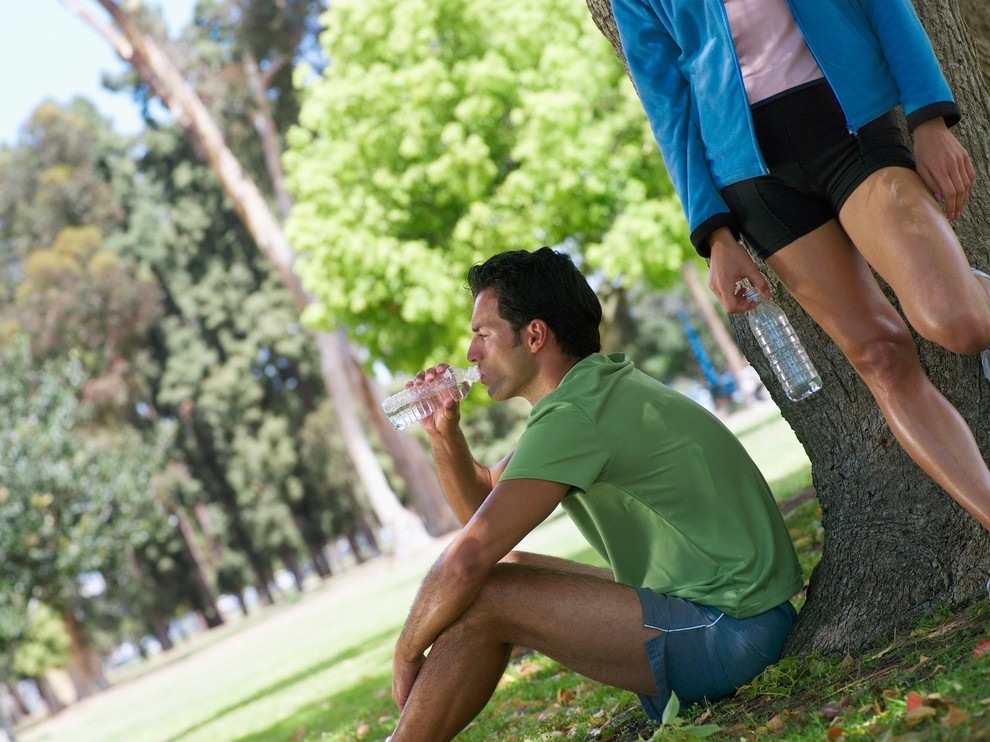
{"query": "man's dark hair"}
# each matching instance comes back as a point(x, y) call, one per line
point(545, 285)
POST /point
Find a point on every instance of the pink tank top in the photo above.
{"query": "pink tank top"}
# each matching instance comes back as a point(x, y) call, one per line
point(771, 51)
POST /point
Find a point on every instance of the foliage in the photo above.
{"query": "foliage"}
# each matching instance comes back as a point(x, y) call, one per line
point(59, 175)
point(45, 645)
point(73, 498)
point(672, 726)
point(444, 132)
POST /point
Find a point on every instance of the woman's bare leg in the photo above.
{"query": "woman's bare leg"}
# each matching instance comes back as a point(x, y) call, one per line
point(901, 232)
point(829, 277)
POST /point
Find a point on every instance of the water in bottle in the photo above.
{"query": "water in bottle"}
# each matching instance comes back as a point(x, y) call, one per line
point(414, 403)
point(782, 347)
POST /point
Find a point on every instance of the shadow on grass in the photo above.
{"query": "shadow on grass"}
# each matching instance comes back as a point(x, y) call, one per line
point(348, 654)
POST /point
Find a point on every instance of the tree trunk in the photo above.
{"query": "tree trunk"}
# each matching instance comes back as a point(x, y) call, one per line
point(410, 463)
point(154, 67)
point(405, 529)
point(205, 595)
point(85, 668)
point(974, 13)
point(48, 694)
point(159, 627)
point(895, 544)
point(23, 710)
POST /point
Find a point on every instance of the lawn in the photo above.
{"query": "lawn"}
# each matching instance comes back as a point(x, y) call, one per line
point(317, 667)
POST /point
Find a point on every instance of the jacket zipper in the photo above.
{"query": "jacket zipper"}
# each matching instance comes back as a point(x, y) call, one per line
point(727, 30)
point(790, 6)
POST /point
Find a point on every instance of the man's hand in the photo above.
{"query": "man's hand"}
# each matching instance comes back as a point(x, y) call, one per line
point(730, 264)
point(943, 165)
point(403, 676)
point(444, 418)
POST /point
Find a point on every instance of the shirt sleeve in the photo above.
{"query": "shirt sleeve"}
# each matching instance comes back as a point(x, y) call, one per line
point(652, 56)
point(924, 93)
point(560, 445)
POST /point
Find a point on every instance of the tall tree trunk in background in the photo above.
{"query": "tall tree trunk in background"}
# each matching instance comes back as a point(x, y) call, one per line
point(977, 18)
point(205, 595)
point(895, 544)
point(154, 67)
point(409, 460)
point(85, 667)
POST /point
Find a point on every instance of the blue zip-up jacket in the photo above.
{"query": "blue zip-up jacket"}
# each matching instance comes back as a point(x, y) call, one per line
point(874, 54)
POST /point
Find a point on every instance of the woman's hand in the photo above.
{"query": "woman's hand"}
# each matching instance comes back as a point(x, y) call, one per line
point(943, 165)
point(730, 264)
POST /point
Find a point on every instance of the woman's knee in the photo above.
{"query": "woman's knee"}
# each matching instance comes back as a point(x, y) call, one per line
point(885, 357)
point(962, 328)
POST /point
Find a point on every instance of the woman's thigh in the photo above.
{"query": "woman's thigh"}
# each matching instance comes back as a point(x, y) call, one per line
point(832, 281)
point(900, 231)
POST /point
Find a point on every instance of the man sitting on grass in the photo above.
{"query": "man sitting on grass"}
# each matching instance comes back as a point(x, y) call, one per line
point(701, 564)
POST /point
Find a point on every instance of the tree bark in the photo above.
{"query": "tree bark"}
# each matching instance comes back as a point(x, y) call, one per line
point(896, 545)
point(205, 594)
point(85, 668)
point(974, 13)
point(155, 68)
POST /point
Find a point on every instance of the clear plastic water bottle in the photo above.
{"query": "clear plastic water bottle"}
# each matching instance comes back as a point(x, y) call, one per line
point(780, 344)
point(412, 404)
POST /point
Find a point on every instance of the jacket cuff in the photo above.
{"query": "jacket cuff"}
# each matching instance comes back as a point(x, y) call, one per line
point(946, 109)
point(701, 233)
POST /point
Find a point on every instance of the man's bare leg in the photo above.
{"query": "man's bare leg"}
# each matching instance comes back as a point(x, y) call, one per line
point(591, 625)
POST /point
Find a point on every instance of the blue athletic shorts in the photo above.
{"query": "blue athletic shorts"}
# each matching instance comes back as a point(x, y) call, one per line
point(702, 653)
point(815, 165)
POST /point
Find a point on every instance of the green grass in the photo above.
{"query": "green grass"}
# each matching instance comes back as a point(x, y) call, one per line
point(318, 668)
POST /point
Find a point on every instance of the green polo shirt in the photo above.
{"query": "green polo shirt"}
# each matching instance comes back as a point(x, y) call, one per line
point(660, 488)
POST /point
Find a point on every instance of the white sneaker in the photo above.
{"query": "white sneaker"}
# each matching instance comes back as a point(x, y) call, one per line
point(984, 355)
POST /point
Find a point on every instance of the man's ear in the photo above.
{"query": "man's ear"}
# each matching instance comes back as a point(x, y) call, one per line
point(537, 335)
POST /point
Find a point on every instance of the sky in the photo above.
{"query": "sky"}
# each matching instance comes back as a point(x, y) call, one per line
point(47, 52)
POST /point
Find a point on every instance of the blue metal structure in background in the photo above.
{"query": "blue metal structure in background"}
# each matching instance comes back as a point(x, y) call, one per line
point(723, 385)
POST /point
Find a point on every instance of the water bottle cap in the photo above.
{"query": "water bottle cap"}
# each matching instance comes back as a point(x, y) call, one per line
point(753, 295)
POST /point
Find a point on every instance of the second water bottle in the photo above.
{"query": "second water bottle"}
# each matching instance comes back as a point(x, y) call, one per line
point(782, 347)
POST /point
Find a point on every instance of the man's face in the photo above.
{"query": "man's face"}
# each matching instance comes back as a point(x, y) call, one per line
point(506, 366)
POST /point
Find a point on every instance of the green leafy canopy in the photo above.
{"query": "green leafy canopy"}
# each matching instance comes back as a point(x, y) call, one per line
point(445, 131)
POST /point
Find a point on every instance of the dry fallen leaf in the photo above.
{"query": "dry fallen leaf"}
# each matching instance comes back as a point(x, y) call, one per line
point(565, 696)
point(955, 717)
point(835, 733)
point(919, 715)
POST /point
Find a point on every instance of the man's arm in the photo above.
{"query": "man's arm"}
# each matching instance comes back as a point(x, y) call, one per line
point(465, 482)
point(512, 510)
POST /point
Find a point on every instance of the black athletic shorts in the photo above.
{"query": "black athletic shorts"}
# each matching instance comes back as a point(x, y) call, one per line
point(815, 164)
